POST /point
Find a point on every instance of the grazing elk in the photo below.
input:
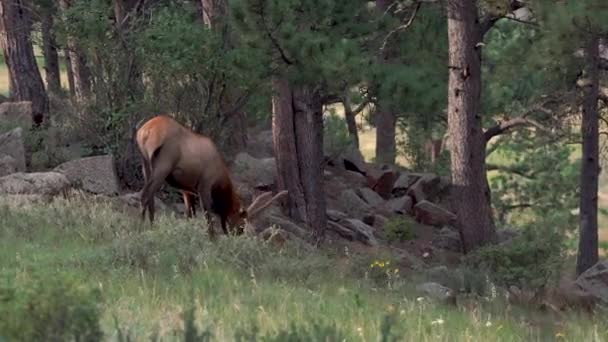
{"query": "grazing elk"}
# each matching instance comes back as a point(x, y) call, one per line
point(191, 163)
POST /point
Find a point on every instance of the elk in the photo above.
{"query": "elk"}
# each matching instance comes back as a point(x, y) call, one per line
point(191, 163)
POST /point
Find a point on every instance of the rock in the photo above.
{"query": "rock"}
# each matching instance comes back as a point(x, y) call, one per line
point(260, 145)
point(19, 113)
point(437, 292)
point(335, 215)
point(426, 187)
point(448, 239)
point(370, 197)
point(36, 183)
point(275, 236)
point(93, 174)
point(134, 200)
point(255, 172)
point(384, 184)
point(594, 281)
point(282, 222)
point(11, 144)
point(8, 165)
point(363, 232)
point(431, 214)
point(379, 221)
point(352, 160)
point(352, 204)
point(404, 182)
point(400, 205)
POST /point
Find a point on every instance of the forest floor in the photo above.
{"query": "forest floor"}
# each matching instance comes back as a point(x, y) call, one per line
point(147, 276)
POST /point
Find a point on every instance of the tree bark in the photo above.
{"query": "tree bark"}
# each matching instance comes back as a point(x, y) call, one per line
point(588, 234)
point(467, 152)
point(51, 59)
point(386, 151)
point(70, 74)
point(297, 128)
point(26, 82)
point(351, 122)
point(78, 64)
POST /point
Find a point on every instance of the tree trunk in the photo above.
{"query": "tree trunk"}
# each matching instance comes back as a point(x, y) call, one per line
point(472, 193)
point(351, 122)
point(386, 151)
point(297, 128)
point(70, 74)
point(134, 80)
point(51, 59)
point(26, 82)
point(588, 235)
point(80, 70)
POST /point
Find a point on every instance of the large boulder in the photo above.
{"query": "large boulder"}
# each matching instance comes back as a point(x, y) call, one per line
point(93, 174)
point(400, 205)
point(8, 165)
point(431, 214)
point(425, 188)
point(36, 183)
point(384, 183)
point(362, 231)
point(352, 204)
point(438, 292)
point(258, 173)
point(19, 113)
point(11, 144)
point(404, 182)
point(133, 200)
point(595, 281)
point(370, 197)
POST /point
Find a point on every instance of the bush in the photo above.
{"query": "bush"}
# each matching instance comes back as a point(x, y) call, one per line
point(532, 260)
point(400, 229)
point(49, 309)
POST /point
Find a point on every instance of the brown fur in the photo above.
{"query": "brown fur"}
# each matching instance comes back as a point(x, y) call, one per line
point(191, 163)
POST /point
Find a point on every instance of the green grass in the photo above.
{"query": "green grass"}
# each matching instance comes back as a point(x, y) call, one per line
point(149, 275)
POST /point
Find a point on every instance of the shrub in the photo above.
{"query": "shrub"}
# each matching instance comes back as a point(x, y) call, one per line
point(49, 309)
point(400, 229)
point(531, 260)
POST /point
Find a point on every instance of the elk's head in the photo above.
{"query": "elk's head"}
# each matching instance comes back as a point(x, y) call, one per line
point(241, 216)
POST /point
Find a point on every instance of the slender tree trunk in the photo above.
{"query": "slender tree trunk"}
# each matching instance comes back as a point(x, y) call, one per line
point(70, 74)
point(15, 39)
point(351, 122)
point(51, 59)
point(588, 235)
point(472, 193)
point(80, 71)
point(386, 150)
point(11, 86)
point(297, 127)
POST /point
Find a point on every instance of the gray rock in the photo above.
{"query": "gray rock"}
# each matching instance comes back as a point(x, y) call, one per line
point(41, 183)
point(437, 291)
point(448, 239)
point(8, 165)
point(133, 199)
point(352, 204)
point(11, 144)
point(400, 205)
point(19, 113)
point(93, 174)
point(404, 181)
point(335, 215)
point(364, 232)
point(253, 171)
point(370, 197)
point(594, 281)
point(425, 188)
point(431, 214)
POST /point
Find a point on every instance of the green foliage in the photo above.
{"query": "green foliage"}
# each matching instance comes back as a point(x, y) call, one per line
point(50, 308)
point(532, 260)
point(336, 138)
point(400, 228)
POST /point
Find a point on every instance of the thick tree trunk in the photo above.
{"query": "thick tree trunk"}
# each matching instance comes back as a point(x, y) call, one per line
point(26, 82)
point(472, 193)
point(588, 234)
point(78, 64)
point(386, 151)
point(51, 59)
point(297, 127)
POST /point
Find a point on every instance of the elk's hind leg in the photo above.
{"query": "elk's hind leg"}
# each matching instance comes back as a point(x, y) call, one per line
point(145, 166)
point(159, 171)
point(189, 204)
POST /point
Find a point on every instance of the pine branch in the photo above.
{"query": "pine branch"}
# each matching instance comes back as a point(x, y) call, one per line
point(508, 169)
point(519, 121)
point(400, 27)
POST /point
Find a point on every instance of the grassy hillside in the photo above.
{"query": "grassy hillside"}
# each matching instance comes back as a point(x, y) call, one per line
point(147, 276)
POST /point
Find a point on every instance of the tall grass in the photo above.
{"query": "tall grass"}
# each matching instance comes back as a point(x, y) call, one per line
point(149, 277)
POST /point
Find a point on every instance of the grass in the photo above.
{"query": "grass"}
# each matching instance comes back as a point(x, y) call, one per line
point(148, 276)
